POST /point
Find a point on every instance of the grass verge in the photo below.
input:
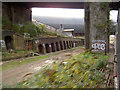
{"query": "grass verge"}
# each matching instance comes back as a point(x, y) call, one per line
point(81, 71)
point(21, 62)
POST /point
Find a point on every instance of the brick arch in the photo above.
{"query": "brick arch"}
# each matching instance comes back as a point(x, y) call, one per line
point(61, 46)
point(57, 46)
point(9, 42)
point(53, 47)
point(47, 48)
point(64, 44)
point(41, 49)
point(67, 44)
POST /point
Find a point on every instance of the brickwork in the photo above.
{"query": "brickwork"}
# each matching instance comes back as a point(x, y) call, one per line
point(47, 45)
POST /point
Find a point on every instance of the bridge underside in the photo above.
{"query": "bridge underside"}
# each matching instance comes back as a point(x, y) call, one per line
point(79, 5)
point(20, 12)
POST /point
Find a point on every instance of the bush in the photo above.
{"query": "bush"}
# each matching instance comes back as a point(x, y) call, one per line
point(29, 28)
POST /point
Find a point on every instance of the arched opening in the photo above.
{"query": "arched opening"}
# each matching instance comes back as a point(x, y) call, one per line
point(53, 47)
point(61, 46)
point(75, 43)
point(47, 48)
point(41, 49)
point(72, 44)
point(67, 44)
point(57, 46)
point(9, 42)
point(79, 43)
point(64, 44)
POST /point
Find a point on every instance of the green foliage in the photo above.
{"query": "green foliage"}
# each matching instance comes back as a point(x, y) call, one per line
point(15, 27)
point(29, 28)
point(33, 29)
point(7, 66)
point(42, 27)
point(105, 6)
point(81, 71)
point(6, 24)
point(111, 26)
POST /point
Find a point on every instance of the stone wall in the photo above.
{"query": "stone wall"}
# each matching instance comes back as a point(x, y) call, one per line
point(18, 42)
point(47, 45)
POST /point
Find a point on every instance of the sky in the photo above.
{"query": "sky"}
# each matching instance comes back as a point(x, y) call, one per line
point(58, 12)
point(66, 13)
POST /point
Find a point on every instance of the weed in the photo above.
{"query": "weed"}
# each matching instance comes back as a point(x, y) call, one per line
point(82, 71)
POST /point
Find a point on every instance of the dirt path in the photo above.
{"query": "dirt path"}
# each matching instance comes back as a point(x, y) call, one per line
point(15, 75)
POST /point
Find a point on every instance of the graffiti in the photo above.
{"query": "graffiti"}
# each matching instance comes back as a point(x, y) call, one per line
point(2, 43)
point(98, 45)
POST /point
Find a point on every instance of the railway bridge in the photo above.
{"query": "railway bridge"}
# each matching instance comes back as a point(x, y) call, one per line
point(96, 24)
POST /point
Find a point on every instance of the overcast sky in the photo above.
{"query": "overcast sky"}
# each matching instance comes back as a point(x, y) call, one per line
point(66, 13)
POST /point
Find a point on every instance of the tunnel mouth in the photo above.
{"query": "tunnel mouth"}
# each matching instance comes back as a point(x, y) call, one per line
point(47, 48)
point(41, 49)
point(61, 46)
point(57, 46)
point(67, 44)
point(53, 47)
point(64, 44)
point(9, 42)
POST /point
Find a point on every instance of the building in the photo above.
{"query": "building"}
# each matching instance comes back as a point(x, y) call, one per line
point(68, 32)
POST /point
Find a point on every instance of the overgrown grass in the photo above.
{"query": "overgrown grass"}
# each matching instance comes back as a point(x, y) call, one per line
point(81, 71)
point(15, 53)
point(21, 62)
point(81, 37)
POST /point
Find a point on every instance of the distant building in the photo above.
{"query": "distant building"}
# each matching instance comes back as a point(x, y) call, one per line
point(64, 23)
point(68, 32)
point(78, 34)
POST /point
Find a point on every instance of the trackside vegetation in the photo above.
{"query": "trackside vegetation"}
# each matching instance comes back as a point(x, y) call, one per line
point(85, 70)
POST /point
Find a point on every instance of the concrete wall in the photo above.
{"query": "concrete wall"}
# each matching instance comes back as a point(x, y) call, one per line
point(16, 13)
point(96, 21)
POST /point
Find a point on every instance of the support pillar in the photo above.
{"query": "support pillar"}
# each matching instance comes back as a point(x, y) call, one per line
point(55, 47)
point(96, 17)
point(117, 49)
point(87, 24)
point(63, 45)
point(74, 45)
point(59, 46)
point(50, 48)
point(69, 44)
point(44, 49)
point(66, 44)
